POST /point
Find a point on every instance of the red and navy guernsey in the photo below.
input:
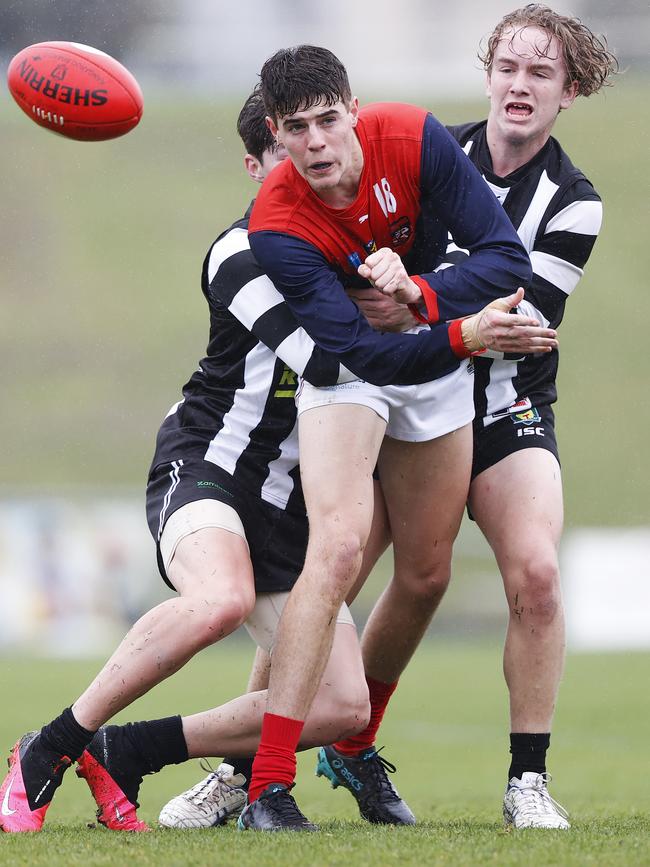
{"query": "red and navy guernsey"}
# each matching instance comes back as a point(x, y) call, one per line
point(416, 186)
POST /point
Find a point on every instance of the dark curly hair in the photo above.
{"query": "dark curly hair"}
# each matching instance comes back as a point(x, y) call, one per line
point(586, 56)
point(295, 79)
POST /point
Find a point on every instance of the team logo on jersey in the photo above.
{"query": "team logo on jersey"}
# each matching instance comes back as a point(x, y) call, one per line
point(400, 231)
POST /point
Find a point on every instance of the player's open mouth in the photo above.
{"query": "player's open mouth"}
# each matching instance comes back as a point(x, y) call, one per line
point(320, 168)
point(518, 109)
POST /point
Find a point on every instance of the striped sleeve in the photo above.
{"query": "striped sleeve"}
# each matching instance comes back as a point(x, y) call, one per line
point(237, 281)
point(560, 252)
point(455, 195)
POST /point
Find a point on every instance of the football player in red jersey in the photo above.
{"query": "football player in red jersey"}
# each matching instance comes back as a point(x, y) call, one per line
point(367, 198)
point(537, 62)
point(251, 536)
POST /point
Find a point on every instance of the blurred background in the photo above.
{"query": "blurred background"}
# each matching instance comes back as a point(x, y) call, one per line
point(102, 318)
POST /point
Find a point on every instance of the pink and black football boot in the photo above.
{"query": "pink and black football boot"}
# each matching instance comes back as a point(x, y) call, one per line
point(35, 773)
point(114, 781)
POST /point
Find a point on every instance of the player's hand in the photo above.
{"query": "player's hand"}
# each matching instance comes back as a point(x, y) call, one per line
point(494, 327)
point(382, 312)
point(386, 272)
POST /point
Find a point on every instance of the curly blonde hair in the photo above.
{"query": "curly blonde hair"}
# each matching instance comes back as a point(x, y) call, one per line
point(586, 56)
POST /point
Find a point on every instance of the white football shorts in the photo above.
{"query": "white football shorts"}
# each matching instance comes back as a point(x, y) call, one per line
point(413, 413)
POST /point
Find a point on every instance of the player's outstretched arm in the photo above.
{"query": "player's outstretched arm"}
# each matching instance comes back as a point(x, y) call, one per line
point(495, 327)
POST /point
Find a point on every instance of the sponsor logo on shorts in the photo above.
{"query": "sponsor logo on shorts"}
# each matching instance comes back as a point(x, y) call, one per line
point(209, 484)
point(530, 432)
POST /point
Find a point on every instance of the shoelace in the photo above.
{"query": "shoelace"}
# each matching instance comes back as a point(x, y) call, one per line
point(284, 806)
point(202, 790)
point(532, 797)
point(381, 767)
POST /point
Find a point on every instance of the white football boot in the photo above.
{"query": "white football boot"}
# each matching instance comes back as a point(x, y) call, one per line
point(527, 804)
point(211, 802)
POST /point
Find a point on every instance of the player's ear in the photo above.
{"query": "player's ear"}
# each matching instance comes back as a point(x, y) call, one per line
point(271, 125)
point(254, 168)
point(568, 95)
point(354, 110)
point(488, 84)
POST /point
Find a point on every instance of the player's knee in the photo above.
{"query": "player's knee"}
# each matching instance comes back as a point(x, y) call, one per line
point(538, 596)
point(217, 619)
point(339, 555)
point(425, 582)
point(349, 713)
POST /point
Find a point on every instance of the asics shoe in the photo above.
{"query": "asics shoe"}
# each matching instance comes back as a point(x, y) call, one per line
point(110, 767)
point(211, 802)
point(274, 810)
point(527, 804)
point(365, 775)
point(35, 773)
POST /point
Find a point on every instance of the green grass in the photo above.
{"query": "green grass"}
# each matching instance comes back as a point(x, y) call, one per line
point(103, 320)
point(447, 732)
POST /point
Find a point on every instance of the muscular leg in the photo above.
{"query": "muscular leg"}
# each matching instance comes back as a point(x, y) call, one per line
point(517, 504)
point(340, 707)
point(337, 481)
point(212, 572)
point(378, 541)
point(425, 486)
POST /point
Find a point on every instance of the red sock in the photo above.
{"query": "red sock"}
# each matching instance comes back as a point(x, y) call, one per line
point(275, 761)
point(380, 694)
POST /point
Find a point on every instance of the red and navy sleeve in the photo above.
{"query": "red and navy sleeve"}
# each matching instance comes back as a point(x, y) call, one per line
point(454, 194)
point(315, 294)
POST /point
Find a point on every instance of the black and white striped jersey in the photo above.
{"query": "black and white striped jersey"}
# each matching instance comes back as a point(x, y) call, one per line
point(557, 215)
point(238, 409)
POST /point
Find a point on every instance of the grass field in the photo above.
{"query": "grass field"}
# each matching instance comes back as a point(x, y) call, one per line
point(446, 731)
point(101, 247)
point(103, 320)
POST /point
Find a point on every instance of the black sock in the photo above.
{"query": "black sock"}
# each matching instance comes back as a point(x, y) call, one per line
point(64, 735)
point(528, 753)
point(158, 742)
point(242, 765)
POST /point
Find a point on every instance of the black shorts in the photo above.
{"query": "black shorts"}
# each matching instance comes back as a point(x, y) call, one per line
point(531, 428)
point(276, 537)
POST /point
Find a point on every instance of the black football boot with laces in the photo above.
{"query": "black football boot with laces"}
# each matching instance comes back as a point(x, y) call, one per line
point(274, 810)
point(366, 776)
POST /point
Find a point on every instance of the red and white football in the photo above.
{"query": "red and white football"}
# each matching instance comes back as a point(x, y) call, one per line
point(75, 90)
